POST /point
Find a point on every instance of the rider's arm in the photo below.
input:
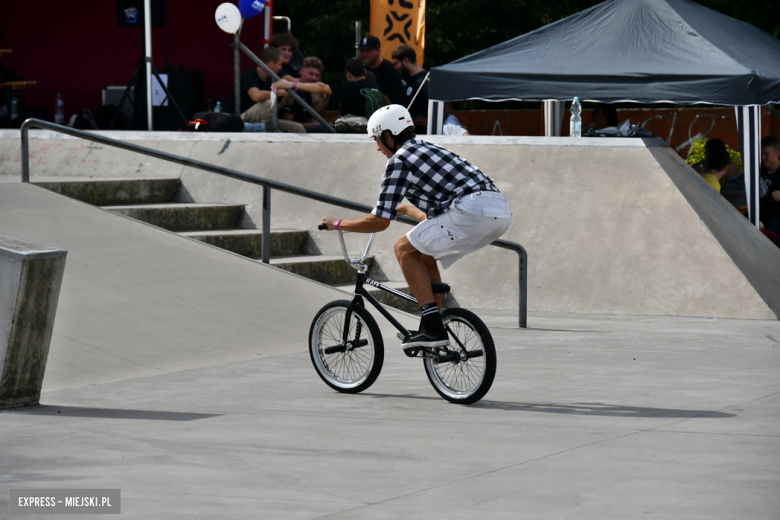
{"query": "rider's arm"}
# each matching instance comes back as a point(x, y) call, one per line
point(365, 224)
point(315, 88)
point(411, 211)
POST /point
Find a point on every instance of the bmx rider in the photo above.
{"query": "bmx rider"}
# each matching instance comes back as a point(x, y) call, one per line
point(459, 208)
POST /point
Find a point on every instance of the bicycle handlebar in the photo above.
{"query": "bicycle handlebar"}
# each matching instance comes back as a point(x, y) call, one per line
point(357, 263)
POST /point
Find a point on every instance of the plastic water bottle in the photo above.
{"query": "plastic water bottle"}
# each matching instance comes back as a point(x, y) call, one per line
point(59, 110)
point(14, 107)
point(218, 108)
point(575, 123)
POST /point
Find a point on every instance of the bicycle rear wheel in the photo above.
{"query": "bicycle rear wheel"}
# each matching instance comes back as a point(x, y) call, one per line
point(350, 367)
point(459, 380)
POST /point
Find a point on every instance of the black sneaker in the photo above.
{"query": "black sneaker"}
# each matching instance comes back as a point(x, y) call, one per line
point(424, 338)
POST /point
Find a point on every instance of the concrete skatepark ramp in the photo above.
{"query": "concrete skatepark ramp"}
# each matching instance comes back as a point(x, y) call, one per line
point(138, 301)
point(618, 226)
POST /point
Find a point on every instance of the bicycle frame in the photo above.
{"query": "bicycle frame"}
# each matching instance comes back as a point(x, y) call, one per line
point(361, 293)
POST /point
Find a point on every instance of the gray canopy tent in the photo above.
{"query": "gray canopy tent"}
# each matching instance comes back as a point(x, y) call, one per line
point(644, 51)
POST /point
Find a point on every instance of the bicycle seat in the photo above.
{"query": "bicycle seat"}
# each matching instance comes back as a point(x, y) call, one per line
point(439, 287)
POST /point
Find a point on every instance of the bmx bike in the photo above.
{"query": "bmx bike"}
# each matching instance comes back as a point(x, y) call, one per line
point(347, 349)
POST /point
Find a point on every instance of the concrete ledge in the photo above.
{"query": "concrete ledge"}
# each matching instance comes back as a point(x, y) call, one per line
point(30, 280)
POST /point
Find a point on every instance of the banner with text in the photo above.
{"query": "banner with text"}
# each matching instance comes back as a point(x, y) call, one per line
point(399, 21)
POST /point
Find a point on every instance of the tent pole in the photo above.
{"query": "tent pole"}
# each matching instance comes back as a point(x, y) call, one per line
point(553, 117)
point(749, 127)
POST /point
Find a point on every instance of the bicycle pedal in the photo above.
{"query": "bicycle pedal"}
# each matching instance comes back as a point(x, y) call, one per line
point(400, 336)
point(412, 352)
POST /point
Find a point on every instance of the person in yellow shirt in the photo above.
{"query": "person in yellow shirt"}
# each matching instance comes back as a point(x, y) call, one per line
point(717, 166)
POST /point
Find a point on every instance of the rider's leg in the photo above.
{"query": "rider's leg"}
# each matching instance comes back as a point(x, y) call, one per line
point(416, 270)
point(433, 274)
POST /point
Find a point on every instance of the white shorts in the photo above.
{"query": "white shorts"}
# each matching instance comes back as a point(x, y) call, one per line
point(469, 224)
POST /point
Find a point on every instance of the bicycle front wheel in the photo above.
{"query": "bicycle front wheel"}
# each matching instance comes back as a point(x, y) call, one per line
point(460, 376)
point(350, 366)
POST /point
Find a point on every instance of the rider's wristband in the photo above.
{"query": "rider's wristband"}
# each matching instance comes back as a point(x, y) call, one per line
point(337, 224)
point(295, 85)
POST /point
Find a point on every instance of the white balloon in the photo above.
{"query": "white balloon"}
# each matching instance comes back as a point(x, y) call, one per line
point(228, 18)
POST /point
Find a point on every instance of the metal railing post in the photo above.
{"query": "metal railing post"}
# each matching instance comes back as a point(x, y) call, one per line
point(237, 75)
point(523, 290)
point(267, 185)
point(266, 242)
point(358, 34)
point(25, 152)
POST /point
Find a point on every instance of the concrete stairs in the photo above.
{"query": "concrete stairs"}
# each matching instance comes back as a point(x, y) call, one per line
point(152, 201)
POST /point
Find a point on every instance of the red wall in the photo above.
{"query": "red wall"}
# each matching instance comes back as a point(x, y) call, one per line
point(76, 48)
point(676, 126)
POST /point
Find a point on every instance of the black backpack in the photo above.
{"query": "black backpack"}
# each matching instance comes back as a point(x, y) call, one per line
point(216, 122)
point(83, 120)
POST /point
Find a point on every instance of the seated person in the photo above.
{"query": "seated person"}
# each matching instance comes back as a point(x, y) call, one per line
point(716, 145)
point(405, 62)
point(288, 44)
point(770, 172)
point(256, 93)
point(717, 167)
point(451, 124)
point(358, 96)
point(310, 73)
point(387, 78)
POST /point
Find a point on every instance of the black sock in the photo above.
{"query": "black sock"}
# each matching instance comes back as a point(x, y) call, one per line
point(430, 320)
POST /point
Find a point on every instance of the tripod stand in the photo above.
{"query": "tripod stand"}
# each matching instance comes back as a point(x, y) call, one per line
point(138, 96)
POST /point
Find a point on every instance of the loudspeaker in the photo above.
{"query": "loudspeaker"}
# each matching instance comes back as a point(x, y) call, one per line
point(130, 13)
point(188, 89)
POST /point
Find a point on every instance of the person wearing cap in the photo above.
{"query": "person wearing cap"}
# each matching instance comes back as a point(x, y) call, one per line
point(405, 62)
point(459, 208)
point(387, 77)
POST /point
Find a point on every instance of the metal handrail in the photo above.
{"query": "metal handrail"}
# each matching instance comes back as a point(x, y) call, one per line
point(267, 185)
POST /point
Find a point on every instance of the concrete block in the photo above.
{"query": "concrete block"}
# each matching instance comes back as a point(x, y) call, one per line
point(30, 280)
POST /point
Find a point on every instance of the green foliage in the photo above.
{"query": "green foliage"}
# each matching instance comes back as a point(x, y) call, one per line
point(457, 28)
point(764, 14)
point(326, 29)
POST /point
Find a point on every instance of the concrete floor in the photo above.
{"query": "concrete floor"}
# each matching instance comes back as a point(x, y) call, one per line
point(591, 416)
point(178, 373)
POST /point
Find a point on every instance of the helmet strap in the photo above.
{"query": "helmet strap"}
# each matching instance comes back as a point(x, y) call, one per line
point(394, 147)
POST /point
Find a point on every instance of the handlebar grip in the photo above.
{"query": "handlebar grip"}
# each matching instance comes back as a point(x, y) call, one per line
point(322, 227)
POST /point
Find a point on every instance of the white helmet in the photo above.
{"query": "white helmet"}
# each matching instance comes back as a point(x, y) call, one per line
point(394, 118)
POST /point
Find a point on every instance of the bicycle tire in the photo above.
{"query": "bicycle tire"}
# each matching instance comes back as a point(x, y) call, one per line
point(351, 370)
point(464, 382)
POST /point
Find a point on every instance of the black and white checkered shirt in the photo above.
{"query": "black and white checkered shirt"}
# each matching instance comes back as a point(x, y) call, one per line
point(430, 177)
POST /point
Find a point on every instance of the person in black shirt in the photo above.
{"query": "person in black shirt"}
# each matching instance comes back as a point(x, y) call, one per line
point(256, 93)
point(358, 96)
point(310, 73)
point(388, 79)
point(770, 171)
point(405, 62)
point(287, 44)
